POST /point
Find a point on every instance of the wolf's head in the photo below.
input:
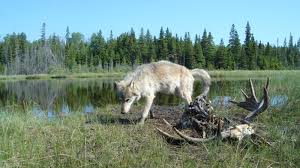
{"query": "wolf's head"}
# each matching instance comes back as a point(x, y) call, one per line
point(127, 94)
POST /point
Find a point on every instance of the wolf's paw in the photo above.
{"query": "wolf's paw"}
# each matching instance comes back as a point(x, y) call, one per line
point(141, 122)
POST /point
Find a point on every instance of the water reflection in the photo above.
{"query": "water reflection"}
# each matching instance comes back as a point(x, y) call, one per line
point(51, 98)
point(278, 101)
point(222, 101)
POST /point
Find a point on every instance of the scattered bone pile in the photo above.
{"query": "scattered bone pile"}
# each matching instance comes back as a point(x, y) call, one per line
point(204, 126)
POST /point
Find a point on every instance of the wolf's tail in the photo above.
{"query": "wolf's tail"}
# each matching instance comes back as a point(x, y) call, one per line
point(201, 74)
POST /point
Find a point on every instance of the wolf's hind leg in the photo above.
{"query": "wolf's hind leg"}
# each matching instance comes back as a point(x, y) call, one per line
point(149, 101)
point(187, 97)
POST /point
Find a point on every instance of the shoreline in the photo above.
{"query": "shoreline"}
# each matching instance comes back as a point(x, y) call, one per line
point(214, 73)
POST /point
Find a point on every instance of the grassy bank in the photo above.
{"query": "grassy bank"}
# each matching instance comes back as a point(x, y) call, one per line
point(215, 73)
point(101, 140)
point(253, 73)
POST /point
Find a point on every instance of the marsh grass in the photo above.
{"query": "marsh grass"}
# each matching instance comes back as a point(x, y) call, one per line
point(108, 139)
point(252, 73)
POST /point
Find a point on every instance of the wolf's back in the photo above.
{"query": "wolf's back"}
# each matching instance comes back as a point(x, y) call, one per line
point(202, 75)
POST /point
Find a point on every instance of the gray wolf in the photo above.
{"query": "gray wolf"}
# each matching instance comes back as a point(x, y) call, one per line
point(162, 76)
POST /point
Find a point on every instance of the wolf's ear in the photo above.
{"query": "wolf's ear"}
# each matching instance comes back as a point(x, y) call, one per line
point(131, 84)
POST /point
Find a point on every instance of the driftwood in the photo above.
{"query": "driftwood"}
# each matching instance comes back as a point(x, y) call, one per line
point(200, 119)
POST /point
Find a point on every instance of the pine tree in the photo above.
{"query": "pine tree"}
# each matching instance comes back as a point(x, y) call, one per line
point(132, 48)
point(221, 56)
point(297, 57)
point(290, 52)
point(234, 49)
point(179, 50)
point(171, 46)
point(67, 47)
point(142, 47)
point(199, 58)
point(253, 58)
point(260, 56)
point(162, 46)
point(102, 50)
point(22, 47)
point(249, 46)
point(188, 51)
point(151, 51)
point(110, 52)
point(208, 49)
point(67, 36)
point(2, 59)
point(43, 34)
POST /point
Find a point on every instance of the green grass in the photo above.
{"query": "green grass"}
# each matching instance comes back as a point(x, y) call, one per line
point(101, 140)
point(214, 74)
point(252, 73)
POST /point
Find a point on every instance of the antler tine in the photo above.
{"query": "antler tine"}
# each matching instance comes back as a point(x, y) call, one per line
point(171, 139)
point(267, 84)
point(245, 95)
point(252, 90)
point(191, 139)
point(263, 105)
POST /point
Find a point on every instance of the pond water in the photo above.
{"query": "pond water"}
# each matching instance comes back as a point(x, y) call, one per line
point(66, 96)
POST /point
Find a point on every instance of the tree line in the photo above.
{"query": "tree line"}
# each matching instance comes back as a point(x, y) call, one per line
point(75, 54)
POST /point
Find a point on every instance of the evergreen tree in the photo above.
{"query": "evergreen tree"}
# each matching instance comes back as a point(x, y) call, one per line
point(67, 36)
point(221, 56)
point(188, 51)
point(162, 46)
point(171, 46)
point(111, 52)
point(260, 56)
point(290, 52)
point(132, 48)
point(297, 57)
point(249, 46)
point(97, 49)
point(43, 34)
point(67, 47)
point(234, 49)
point(151, 51)
point(199, 58)
point(2, 60)
point(179, 50)
point(142, 48)
point(208, 49)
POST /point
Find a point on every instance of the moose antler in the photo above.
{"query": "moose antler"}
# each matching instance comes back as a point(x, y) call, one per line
point(200, 118)
point(187, 138)
point(251, 103)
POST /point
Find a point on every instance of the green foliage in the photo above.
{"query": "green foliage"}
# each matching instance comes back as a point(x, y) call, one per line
point(234, 49)
point(188, 52)
point(250, 49)
point(199, 57)
point(97, 53)
point(221, 58)
point(103, 139)
point(162, 46)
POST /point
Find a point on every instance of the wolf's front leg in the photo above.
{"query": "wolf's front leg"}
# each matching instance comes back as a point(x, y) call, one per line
point(149, 101)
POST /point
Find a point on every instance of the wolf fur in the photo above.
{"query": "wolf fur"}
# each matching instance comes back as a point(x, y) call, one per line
point(162, 76)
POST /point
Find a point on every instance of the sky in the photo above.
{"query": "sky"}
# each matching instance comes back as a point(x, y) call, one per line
point(269, 19)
